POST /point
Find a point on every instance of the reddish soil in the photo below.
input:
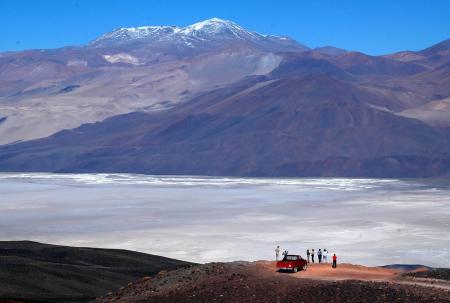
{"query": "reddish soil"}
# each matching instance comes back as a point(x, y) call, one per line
point(259, 282)
point(348, 272)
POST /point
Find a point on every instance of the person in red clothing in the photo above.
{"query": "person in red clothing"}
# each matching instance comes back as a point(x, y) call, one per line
point(334, 261)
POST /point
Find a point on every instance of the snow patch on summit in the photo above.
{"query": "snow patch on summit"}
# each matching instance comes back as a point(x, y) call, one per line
point(213, 29)
point(218, 27)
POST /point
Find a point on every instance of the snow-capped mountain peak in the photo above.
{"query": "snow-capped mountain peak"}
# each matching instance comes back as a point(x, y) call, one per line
point(211, 24)
point(212, 30)
point(125, 34)
point(218, 27)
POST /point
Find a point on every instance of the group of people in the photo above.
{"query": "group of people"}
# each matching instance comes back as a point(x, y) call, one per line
point(322, 255)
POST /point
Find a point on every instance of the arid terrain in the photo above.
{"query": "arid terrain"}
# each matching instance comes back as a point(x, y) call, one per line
point(175, 151)
point(214, 98)
point(209, 219)
point(259, 282)
point(35, 272)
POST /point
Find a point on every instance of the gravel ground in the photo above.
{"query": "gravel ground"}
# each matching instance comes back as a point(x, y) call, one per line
point(250, 282)
point(437, 273)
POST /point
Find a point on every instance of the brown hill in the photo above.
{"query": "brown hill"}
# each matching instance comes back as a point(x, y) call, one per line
point(35, 272)
point(259, 282)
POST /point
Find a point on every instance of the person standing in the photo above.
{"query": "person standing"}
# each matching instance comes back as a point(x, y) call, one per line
point(277, 252)
point(325, 255)
point(319, 255)
point(308, 254)
point(312, 255)
point(285, 253)
point(334, 261)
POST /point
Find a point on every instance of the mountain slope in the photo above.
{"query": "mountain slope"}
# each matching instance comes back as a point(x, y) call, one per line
point(214, 98)
point(361, 64)
point(435, 113)
point(50, 273)
point(299, 126)
point(211, 32)
point(148, 68)
point(153, 68)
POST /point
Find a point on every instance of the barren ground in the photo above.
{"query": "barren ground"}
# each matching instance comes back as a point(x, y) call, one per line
point(259, 282)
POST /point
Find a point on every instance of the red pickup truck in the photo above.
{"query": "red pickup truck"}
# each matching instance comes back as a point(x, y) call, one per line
point(292, 263)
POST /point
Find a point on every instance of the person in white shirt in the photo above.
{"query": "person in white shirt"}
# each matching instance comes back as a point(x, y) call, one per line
point(277, 252)
point(325, 256)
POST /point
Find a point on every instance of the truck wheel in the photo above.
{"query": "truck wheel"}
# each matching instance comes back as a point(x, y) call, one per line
point(295, 269)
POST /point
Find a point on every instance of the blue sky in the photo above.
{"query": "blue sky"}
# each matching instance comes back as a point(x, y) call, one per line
point(373, 27)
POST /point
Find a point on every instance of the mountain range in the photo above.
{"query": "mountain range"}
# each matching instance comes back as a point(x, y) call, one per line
point(216, 99)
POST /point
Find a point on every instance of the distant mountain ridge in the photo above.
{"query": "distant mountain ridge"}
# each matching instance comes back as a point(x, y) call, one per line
point(213, 29)
point(214, 98)
point(150, 68)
